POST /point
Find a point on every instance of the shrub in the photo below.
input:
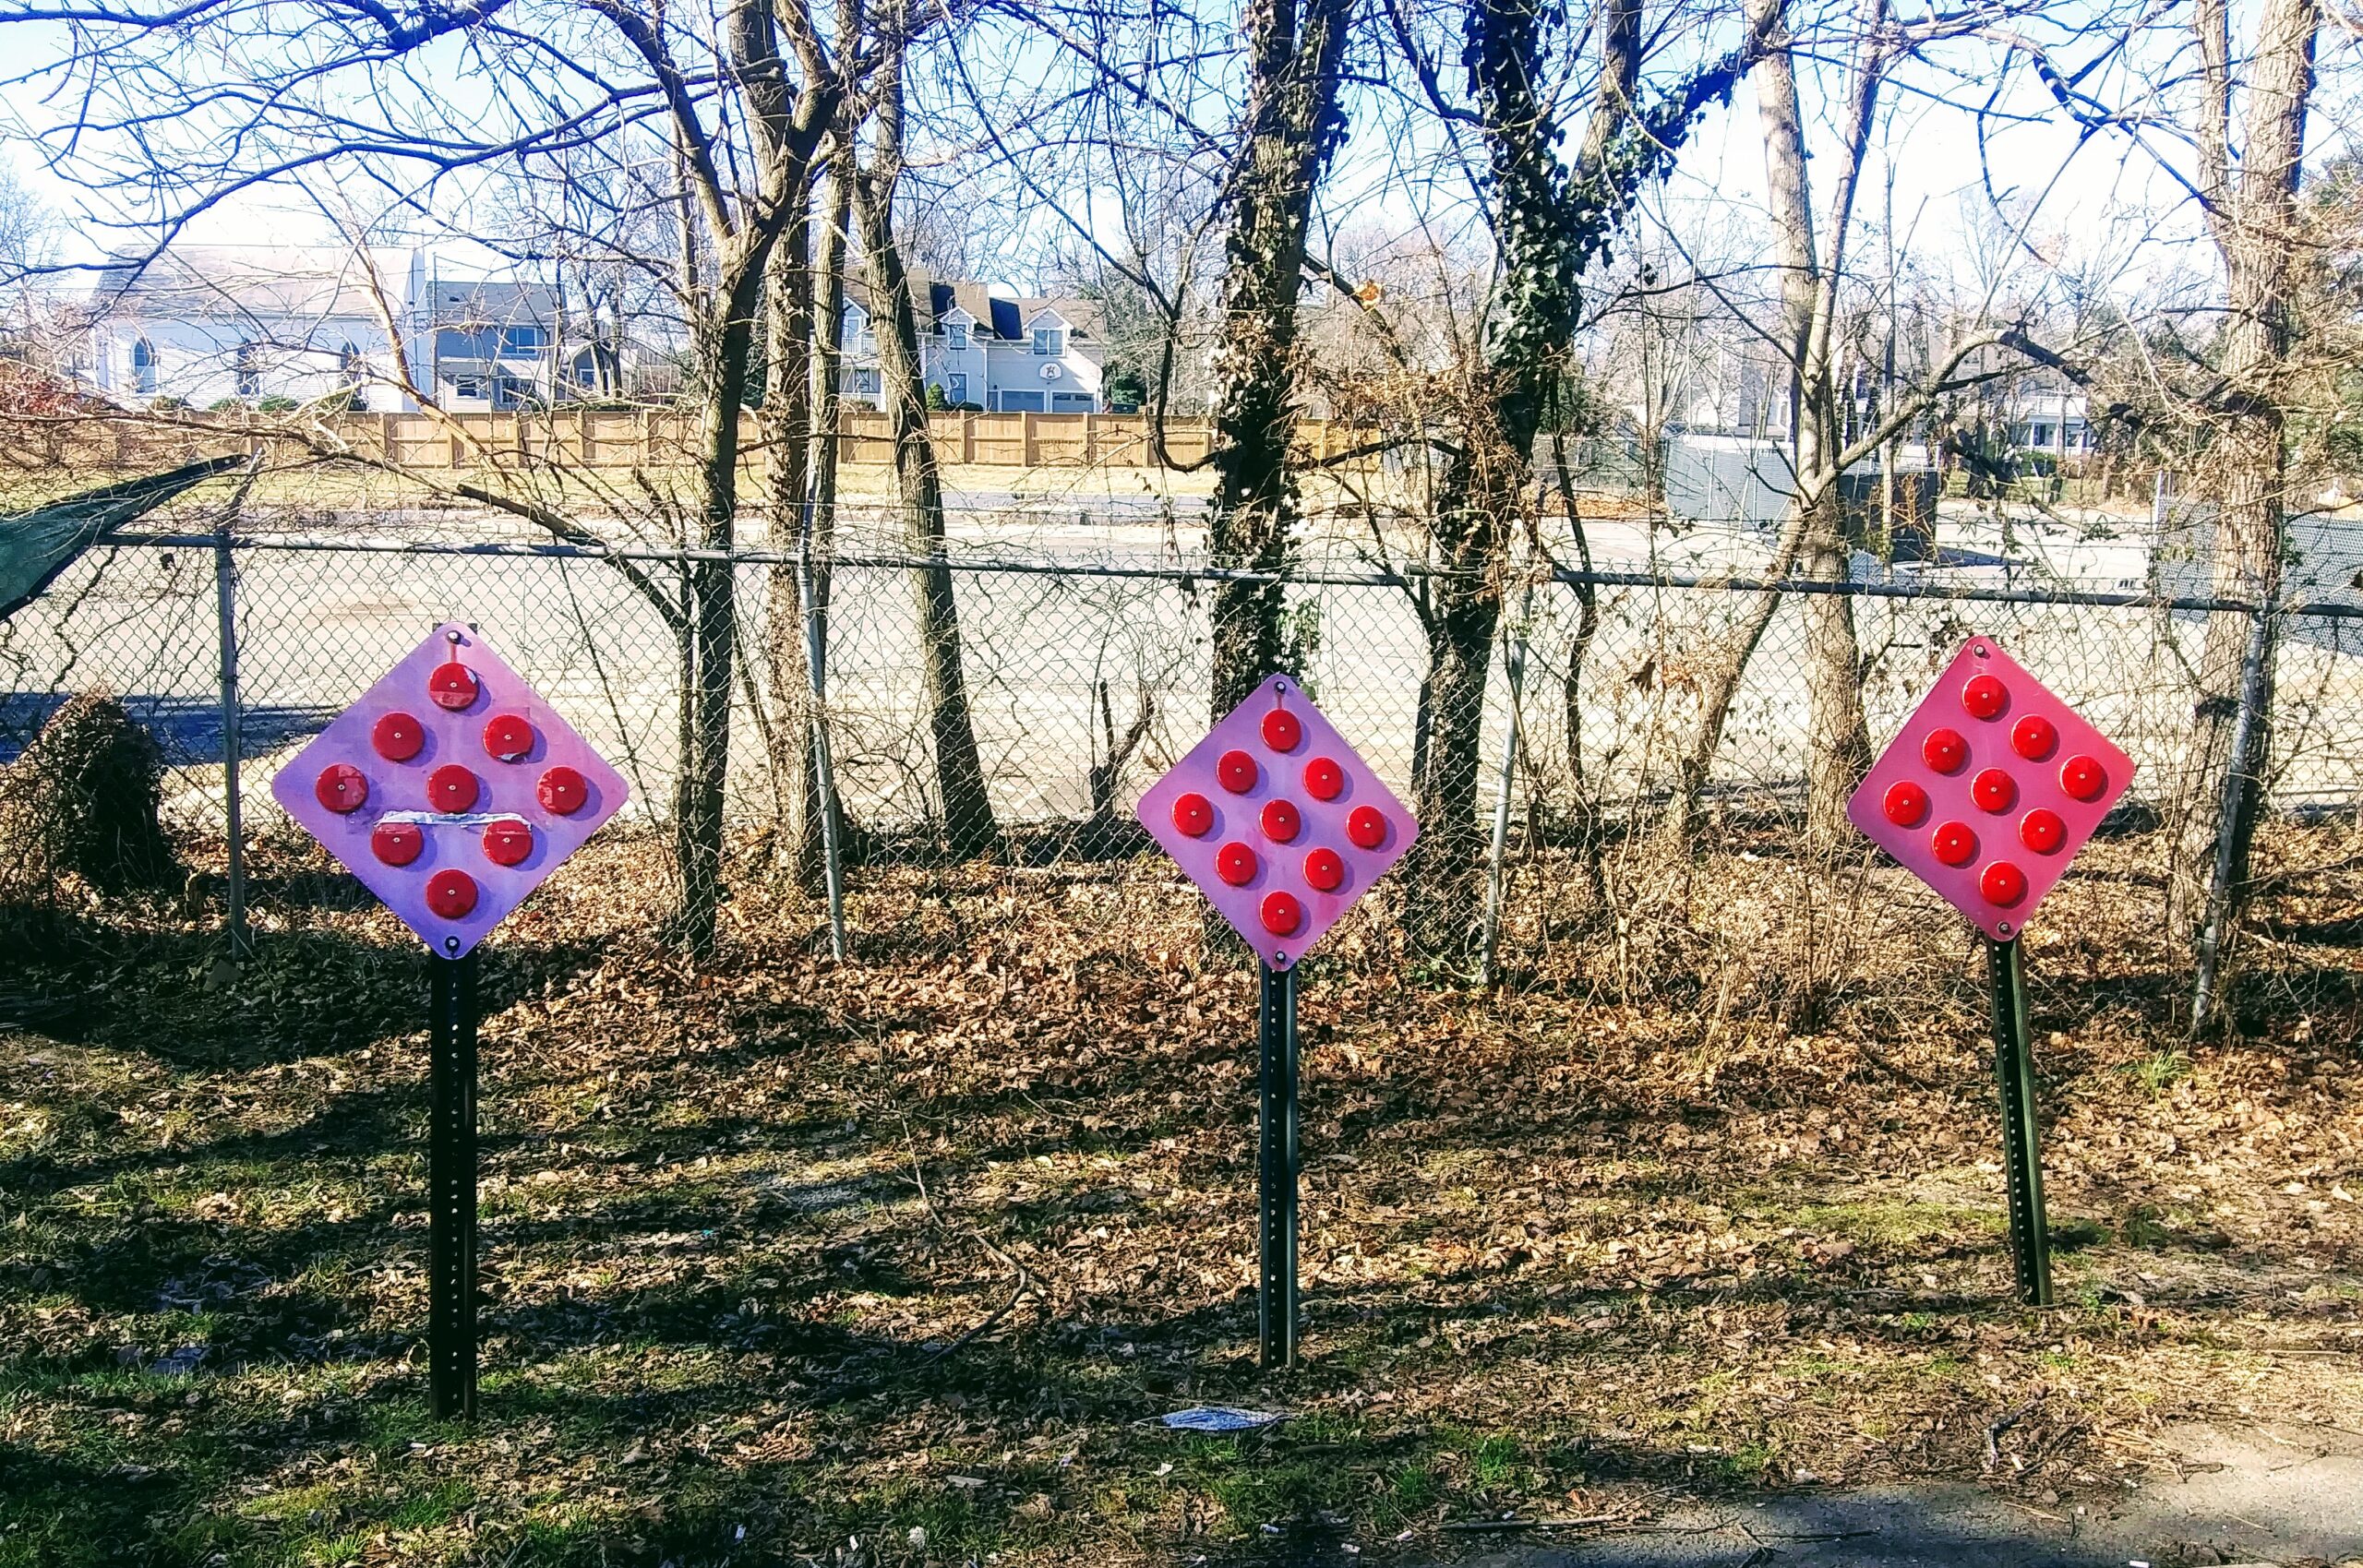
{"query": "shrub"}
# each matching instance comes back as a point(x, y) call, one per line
point(82, 802)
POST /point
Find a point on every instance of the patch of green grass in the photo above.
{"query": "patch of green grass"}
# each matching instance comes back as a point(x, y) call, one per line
point(2159, 1071)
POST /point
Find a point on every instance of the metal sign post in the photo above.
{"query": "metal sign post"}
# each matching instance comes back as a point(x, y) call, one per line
point(450, 791)
point(451, 1188)
point(1283, 826)
point(1986, 794)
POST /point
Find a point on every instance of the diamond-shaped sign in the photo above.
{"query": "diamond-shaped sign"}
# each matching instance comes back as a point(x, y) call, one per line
point(1279, 822)
point(1990, 790)
point(450, 790)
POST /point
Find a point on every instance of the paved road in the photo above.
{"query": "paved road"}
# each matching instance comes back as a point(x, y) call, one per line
point(2283, 1494)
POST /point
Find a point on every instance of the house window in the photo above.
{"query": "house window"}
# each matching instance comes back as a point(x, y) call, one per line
point(956, 335)
point(1020, 402)
point(855, 323)
point(517, 340)
point(249, 370)
point(1050, 339)
point(143, 368)
point(464, 342)
point(467, 387)
point(349, 373)
point(2043, 435)
point(955, 386)
point(862, 383)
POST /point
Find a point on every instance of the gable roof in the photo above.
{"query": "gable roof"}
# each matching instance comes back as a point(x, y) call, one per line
point(1000, 318)
point(253, 282)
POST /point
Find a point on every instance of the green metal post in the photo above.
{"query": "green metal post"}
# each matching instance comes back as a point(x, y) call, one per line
point(2021, 1136)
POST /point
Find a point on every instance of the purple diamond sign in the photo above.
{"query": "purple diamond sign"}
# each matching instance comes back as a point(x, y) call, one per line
point(1280, 824)
point(451, 789)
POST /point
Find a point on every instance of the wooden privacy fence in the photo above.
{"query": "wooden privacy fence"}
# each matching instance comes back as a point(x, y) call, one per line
point(650, 437)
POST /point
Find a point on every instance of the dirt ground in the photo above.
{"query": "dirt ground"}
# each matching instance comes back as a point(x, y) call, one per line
point(897, 1261)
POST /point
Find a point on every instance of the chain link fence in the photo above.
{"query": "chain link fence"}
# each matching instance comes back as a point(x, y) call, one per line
point(1087, 676)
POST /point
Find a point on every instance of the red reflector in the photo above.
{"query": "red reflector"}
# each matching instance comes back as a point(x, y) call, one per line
point(2033, 736)
point(562, 790)
point(1237, 771)
point(1235, 864)
point(397, 736)
point(1953, 844)
point(508, 736)
point(1944, 750)
point(2042, 831)
point(2083, 778)
point(1325, 870)
point(1985, 697)
point(508, 844)
point(342, 788)
point(453, 686)
point(2003, 884)
point(397, 844)
point(1282, 914)
point(450, 788)
point(1367, 827)
point(1994, 790)
point(1281, 820)
point(1281, 730)
point(451, 894)
point(1323, 780)
point(1192, 814)
point(1906, 803)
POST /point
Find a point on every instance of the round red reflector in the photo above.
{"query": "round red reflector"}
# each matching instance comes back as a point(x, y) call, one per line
point(1985, 697)
point(1282, 730)
point(1325, 870)
point(1323, 780)
point(1366, 825)
point(2083, 777)
point(1235, 864)
point(1282, 914)
point(453, 686)
point(1953, 844)
point(1906, 803)
point(342, 788)
point(1193, 814)
point(1281, 820)
point(1944, 750)
point(508, 842)
point(397, 844)
point(451, 788)
point(1237, 771)
point(451, 894)
point(562, 790)
point(2042, 831)
point(2033, 736)
point(508, 736)
point(1993, 790)
point(397, 736)
point(2003, 884)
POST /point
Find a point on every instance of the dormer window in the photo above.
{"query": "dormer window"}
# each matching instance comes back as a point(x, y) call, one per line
point(855, 323)
point(1051, 341)
point(956, 335)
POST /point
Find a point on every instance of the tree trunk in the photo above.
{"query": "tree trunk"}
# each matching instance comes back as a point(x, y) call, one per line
point(968, 826)
point(2255, 229)
point(786, 427)
point(1293, 124)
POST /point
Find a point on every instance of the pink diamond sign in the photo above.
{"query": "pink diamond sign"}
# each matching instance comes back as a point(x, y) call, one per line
point(1991, 789)
point(450, 790)
point(1281, 823)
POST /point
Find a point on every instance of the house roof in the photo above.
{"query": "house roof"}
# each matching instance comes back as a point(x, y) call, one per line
point(1001, 317)
point(253, 282)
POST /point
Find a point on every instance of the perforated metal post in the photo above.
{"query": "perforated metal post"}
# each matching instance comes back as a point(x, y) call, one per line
point(451, 1188)
point(2021, 1136)
point(226, 592)
point(1276, 1165)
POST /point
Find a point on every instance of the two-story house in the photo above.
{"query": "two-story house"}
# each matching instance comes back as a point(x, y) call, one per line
point(985, 349)
point(208, 325)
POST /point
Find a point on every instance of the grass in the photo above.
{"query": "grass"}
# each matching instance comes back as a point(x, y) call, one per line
point(781, 1255)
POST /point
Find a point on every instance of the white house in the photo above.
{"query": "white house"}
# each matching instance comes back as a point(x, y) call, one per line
point(989, 349)
point(214, 325)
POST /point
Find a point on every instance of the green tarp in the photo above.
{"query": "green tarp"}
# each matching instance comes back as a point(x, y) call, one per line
point(36, 546)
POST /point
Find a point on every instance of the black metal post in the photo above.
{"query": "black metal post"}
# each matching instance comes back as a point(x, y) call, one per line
point(451, 1188)
point(2022, 1137)
point(1276, 1165)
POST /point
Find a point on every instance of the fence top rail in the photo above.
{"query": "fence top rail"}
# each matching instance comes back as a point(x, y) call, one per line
point(1401, 577)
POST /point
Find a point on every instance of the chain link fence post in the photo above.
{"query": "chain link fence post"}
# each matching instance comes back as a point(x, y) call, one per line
point(225, 595)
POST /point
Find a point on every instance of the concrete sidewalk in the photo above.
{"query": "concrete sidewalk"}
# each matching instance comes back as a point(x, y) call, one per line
point(2284, 1494)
